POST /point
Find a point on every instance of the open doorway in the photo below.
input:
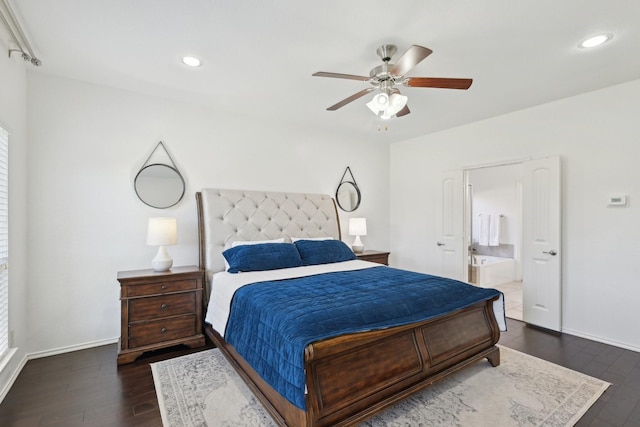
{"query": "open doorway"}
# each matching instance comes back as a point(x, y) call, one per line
point(494, 232)
point(537, 250)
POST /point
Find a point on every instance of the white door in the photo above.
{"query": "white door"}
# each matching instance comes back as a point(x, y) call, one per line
point(541, 243)
point(450, 223)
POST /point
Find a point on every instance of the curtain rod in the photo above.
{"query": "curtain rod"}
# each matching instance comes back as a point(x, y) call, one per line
point(23, 46)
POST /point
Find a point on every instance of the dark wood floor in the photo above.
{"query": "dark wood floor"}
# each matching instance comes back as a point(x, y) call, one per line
point(86, 388)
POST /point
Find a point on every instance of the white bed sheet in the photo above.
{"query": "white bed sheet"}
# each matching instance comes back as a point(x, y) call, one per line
point(224, 286)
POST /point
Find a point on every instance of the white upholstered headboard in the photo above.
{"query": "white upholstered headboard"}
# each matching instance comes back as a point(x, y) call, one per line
point(228, 215)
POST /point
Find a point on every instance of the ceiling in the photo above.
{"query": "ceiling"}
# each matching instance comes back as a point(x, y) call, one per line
point(259, 56)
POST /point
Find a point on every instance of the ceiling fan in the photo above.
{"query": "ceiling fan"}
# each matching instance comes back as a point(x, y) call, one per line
point(389, 101)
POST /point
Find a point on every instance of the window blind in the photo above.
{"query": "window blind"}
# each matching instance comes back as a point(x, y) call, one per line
point(4, 241)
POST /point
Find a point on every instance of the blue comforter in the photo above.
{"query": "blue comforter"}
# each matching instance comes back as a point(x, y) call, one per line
point(272, 322)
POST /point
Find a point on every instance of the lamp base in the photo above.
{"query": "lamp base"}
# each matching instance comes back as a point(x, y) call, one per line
point(162, 260)
point(357, 246)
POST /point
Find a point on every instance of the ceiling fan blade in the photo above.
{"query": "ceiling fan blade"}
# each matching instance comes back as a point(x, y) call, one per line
point(351, 99)
point(340, 76)
point(438, 82)
point(410, 59)
point(403, 112)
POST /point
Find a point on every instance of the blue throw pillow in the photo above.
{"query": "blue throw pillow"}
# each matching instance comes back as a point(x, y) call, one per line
point(266, 256)
point(315, 252)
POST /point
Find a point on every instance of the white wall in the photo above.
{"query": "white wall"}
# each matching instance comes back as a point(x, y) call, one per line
point(13, 118)
point(495, 192)
point(86, 144)
point(597, 136)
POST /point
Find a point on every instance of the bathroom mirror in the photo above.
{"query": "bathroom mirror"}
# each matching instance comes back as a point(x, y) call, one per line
point(159, 185)
point(348, 194)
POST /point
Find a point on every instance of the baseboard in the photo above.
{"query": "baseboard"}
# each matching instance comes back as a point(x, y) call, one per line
point(600, 339)
point(13, 377)
point(68, 349)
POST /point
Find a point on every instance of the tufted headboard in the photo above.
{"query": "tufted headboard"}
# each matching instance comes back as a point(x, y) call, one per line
point(228, 215)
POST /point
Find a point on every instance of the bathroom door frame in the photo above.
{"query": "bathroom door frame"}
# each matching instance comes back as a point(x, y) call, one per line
point(553, 285)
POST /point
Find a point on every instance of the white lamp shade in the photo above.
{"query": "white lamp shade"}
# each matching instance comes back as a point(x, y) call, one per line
point(372, 107)
point(396, 103)
point(387, 106)
point(358, 226)
point(379, 102)
point(162, 231)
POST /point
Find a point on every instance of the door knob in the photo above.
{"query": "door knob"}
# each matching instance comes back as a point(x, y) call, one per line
point(552, 252)
point(440, 244)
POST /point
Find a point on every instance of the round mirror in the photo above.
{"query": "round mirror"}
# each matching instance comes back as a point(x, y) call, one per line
point(348, 196)
point(159, 186)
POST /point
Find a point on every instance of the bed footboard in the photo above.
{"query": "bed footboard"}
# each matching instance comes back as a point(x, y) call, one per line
point(352, 377)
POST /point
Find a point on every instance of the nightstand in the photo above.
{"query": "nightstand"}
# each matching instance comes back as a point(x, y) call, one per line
point(374, 256)
point(159, 309)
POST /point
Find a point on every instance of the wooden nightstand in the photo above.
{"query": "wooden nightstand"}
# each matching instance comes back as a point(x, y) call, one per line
point(159, 309)
point(374, 256)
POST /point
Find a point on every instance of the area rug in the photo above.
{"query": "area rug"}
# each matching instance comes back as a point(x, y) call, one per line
point(202, 389)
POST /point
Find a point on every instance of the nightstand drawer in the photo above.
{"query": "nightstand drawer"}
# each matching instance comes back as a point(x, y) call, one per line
point(156, 331)
point(160, 288)
point(162, 306)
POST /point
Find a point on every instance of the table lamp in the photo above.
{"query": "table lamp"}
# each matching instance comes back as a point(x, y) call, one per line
point(357, 227)
point(162, 232)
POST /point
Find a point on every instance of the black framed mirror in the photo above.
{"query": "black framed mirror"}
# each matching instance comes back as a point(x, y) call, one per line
point(159, 185)
point(348, 195)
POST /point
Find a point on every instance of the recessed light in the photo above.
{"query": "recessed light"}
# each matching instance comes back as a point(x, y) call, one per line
point(191, 61)
point(595, 40)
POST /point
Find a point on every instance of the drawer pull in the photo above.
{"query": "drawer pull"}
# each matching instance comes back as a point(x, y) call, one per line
point(164, 287)
point(163, 306)
point(163, 330)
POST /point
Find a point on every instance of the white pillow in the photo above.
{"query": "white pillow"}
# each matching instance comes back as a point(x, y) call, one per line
point(249, 242)
point(295, 239)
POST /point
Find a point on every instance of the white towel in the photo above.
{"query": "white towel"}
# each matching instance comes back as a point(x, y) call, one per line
point(494, 230)
point(483, 237)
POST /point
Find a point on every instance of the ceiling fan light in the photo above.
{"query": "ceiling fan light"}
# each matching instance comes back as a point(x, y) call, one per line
point(385, 106)
point(373, 107)
point(380, 101)
point(396, 103)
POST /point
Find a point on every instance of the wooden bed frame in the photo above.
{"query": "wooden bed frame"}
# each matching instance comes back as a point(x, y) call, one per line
point(349, 378)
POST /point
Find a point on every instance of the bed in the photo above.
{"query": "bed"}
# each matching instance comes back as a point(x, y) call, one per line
point(348, 375)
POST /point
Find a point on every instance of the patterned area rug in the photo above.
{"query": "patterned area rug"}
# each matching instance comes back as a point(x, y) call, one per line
point(202, 389)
